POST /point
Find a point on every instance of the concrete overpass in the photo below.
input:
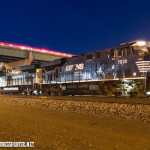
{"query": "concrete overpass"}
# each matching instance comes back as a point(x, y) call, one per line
point(15, 56)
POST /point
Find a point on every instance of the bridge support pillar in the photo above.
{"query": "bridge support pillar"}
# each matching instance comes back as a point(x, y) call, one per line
point(20, 63)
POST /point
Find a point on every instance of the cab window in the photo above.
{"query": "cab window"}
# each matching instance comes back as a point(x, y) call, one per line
point(89, 56)
point(112, 52)
point(119, 52)
point(139, 49)
point(98, 55)
point(126, 51)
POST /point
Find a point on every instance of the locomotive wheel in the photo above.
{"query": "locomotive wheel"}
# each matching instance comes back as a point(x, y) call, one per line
point(133, 94)
point(23, 93)
point(117, 94)
point(52, 93)
point(47, 93)
point(60, 93)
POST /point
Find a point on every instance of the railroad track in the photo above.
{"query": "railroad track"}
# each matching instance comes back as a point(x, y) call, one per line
point(144, 101)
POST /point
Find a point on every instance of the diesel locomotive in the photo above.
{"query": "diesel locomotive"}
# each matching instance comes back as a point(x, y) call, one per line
point(118, 71)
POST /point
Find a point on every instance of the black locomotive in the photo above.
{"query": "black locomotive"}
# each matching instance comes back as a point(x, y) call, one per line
point(117, 71)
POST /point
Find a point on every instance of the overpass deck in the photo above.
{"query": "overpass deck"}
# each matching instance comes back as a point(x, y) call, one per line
point(14, 52)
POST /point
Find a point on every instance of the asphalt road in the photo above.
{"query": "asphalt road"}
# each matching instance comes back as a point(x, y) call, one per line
point(52, 130)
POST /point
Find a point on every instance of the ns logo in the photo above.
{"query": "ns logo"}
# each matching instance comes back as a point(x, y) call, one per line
point(79, 66)
point(76, 66)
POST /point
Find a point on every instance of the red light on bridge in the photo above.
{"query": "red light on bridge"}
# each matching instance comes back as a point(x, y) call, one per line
point(33, 49)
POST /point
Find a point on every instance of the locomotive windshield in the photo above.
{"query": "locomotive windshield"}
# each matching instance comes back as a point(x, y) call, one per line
point(141, 48)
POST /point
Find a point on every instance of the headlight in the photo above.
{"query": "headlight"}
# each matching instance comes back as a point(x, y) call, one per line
point(141, 43)
point(148, 93)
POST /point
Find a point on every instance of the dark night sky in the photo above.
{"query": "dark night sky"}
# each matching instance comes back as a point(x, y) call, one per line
point(74, 26)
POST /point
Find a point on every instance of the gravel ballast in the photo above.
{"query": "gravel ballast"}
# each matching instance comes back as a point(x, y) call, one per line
point(128, 111)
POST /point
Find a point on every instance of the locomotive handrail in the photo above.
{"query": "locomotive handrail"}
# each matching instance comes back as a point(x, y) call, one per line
point(145, 76)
